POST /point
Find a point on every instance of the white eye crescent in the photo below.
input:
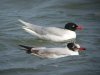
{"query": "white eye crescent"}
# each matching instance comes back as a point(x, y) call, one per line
point(73, 26)
point(77, 45)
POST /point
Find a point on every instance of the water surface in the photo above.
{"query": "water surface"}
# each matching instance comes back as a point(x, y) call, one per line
point(14, 61)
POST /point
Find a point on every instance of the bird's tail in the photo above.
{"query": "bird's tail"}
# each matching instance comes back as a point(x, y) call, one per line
point(25, 23)
point(27, 48)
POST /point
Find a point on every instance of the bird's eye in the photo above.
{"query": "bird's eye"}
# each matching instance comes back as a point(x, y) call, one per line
point(73, 26)
point(73, 47)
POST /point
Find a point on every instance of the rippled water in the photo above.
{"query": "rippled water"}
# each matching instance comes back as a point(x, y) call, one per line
point(14, 61)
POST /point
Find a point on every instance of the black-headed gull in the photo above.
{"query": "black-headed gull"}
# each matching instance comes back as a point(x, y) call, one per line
point(52, 33)
point(44, 52)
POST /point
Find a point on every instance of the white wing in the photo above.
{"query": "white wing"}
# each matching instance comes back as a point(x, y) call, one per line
point(35, 29)
point(57, 51)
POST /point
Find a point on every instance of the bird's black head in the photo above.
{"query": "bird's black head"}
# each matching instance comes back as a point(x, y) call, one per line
point(74, 47)
point(71, 46)
point(71, 26)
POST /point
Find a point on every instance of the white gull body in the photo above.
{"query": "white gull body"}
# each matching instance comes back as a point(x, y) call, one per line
point(56, 52)
point(48, 33)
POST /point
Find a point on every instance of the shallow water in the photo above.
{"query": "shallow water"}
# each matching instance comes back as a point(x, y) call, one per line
point(14, 61)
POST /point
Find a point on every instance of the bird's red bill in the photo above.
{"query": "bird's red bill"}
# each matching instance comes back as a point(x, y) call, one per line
point(80, 27)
